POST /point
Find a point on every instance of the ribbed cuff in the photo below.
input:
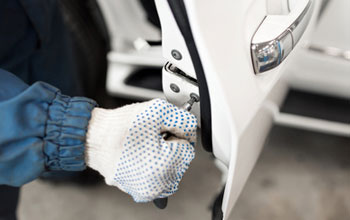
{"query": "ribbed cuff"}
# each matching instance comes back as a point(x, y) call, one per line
point(66, 129)
point(104, 137)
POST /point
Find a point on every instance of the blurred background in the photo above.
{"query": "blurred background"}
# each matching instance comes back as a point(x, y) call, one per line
point(302, 173)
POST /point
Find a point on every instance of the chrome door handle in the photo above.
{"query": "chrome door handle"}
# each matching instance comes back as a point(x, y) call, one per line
point(278, 34)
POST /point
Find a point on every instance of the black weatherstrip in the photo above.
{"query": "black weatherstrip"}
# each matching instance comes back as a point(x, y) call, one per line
point(179, 11)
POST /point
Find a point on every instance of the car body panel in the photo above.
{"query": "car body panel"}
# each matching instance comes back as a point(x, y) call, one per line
point(241, 111)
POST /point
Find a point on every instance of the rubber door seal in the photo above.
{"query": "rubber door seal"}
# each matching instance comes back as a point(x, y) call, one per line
point(179, 11)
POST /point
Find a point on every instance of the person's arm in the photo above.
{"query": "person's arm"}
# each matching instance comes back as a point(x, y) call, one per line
point(40, 129)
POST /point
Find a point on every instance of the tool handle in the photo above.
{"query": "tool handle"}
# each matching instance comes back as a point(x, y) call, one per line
point(161, 203)
point(166, 135)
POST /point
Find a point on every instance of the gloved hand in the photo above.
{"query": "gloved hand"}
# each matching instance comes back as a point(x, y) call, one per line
point(126, 146)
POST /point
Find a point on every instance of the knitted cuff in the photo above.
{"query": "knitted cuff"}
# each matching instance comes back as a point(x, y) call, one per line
point(104, 138)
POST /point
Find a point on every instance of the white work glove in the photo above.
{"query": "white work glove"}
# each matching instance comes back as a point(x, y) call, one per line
point(126, 146)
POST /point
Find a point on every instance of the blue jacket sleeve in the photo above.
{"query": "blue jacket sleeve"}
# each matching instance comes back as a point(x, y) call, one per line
point(40, 130)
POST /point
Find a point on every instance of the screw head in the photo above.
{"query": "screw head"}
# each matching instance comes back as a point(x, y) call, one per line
point(175, 88)
point(195, 97)
point(176, 54)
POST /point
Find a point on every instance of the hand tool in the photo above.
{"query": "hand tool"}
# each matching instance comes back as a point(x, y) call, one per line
point(161, 203)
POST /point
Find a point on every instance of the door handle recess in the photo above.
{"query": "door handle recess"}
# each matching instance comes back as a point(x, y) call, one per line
point(277, 35)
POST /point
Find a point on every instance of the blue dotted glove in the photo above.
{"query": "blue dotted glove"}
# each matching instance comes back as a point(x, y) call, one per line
point(126, 146)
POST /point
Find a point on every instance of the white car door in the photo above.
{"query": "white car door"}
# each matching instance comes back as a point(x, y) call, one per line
point(232, 54)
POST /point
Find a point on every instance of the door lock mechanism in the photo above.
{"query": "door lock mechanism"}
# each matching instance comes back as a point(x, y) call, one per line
point(178, 87)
